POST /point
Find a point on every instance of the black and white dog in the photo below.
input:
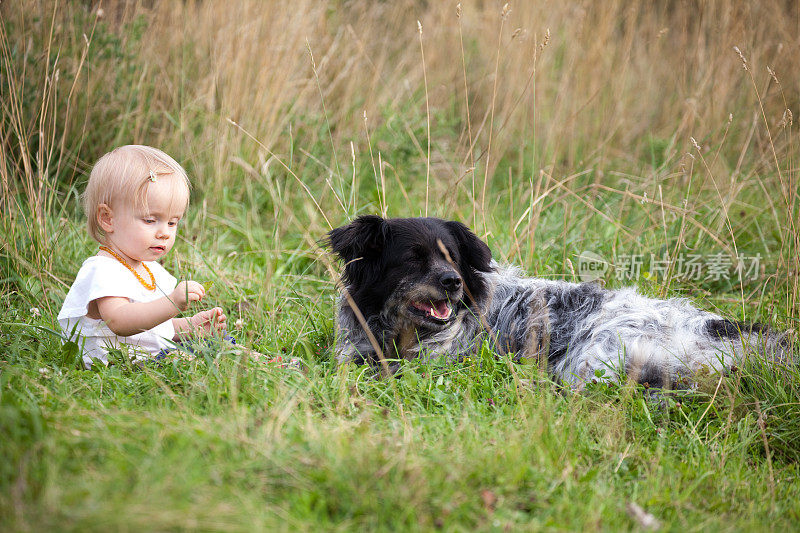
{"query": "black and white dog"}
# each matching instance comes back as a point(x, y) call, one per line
point(425, 287)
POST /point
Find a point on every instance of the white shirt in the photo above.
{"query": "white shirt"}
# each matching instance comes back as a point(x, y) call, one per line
point(104, 276)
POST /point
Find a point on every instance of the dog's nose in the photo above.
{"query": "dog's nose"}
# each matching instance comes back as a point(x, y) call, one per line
point(451, 281)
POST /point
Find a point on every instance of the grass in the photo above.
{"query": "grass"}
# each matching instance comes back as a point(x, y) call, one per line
point(621, 129)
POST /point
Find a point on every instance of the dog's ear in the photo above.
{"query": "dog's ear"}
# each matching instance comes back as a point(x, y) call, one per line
point(475, 257)
point(362, 238)
point(474, 252)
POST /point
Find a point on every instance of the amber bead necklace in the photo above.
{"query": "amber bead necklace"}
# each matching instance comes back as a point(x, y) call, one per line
point(149, 286)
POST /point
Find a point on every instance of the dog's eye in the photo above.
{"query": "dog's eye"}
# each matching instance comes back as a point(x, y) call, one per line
point(417, 254)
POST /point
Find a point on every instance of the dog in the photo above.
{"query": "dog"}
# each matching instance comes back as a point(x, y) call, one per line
point(426, 287)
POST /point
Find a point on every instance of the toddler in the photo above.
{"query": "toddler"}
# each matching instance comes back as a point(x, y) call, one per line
point(134, 201)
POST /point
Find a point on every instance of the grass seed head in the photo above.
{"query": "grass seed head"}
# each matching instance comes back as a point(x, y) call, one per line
point(772, 75)
point(741, 57)
point(786, 119)
point(545, 40)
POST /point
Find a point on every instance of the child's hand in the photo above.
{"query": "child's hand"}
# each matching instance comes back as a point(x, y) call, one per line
point(187, 292)
point(210, 320)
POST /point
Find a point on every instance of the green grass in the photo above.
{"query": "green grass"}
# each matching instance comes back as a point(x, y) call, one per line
point(223, 442)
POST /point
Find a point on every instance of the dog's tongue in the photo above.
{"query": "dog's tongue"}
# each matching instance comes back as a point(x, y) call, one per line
point(440, 309)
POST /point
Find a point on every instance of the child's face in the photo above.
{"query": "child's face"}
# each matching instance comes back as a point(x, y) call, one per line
point(149, 235)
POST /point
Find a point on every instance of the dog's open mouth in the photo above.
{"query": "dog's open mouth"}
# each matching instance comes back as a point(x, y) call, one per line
point(439, 310)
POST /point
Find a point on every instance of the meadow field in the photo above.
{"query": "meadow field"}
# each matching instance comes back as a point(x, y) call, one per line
point(657, 139)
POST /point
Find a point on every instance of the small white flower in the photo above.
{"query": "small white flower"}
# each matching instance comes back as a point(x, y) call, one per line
point(44, 371)
point(35, 313)
point(238, 324)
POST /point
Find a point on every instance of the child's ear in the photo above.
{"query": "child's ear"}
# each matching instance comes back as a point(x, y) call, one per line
point(105, 218)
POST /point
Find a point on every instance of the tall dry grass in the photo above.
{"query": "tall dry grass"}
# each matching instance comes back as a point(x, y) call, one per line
point(614, 72)
point(541, 98)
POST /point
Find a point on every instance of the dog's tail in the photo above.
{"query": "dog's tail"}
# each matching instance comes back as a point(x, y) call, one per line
point(771, 344)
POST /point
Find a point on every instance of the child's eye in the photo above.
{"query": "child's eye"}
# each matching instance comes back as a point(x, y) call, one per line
point(149, 221)
point(173, 223)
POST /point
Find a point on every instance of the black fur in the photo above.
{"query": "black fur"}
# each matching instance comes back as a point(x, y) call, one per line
point(475, 258)
point(730, 329)
point(382, 256)
point(568, 310)
point(378, 253)
point(361, 246)
point(515, 310)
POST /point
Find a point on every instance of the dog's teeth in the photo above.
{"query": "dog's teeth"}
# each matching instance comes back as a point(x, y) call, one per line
point(442, 315)
point(439, 310)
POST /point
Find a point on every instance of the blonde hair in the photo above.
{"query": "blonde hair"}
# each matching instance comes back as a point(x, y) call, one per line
point(123, 175)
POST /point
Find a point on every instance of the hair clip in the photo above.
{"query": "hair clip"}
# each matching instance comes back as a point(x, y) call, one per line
point(152, 176)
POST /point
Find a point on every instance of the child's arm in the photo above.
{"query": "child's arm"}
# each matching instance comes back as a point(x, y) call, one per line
point(208, 320)
point(127, 318)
